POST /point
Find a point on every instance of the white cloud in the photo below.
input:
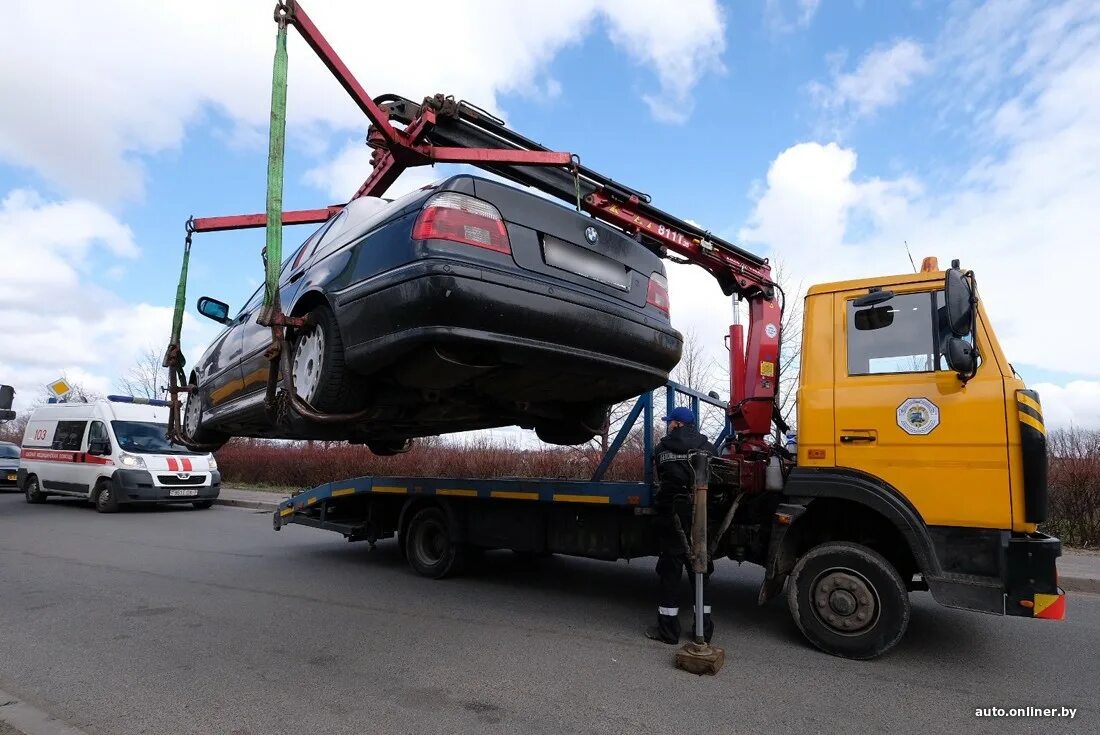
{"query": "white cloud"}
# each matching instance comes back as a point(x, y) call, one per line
point(878, 80)
point(100, 86)
point(785, 16)
point(1022, 214)
point(54, 319)
point(1074, 404)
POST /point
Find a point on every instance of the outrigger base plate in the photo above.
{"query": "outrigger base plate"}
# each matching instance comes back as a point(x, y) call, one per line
point(700, 658)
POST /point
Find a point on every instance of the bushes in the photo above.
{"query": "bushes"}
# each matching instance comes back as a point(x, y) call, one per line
point(1074, 483)
point(302, 464)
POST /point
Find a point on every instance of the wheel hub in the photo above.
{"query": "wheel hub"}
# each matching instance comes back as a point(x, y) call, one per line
point(191, 414)
point(845, 601)
point(308, 358)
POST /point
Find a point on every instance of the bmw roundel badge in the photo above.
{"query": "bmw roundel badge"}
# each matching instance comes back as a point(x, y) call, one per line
point(591, 234)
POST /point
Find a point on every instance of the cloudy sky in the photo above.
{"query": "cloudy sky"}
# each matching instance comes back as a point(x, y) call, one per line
point(824, 135)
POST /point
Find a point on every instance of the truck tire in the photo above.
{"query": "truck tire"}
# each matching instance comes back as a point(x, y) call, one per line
point(320, 377)
point(429, 547)
point(105, 499)
point(33, 491)
point(848, 600)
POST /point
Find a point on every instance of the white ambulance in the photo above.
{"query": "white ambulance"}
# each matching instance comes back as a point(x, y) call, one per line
point(113, 452)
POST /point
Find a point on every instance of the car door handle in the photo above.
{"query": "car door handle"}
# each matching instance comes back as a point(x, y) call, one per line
point(853, 438)
point(296, 276)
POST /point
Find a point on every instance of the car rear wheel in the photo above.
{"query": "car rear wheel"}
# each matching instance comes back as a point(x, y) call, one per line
point(193, 424)
point(320, 376)
point(33, 491)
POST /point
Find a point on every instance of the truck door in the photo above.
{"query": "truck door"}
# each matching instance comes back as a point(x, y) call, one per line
point(904, 417)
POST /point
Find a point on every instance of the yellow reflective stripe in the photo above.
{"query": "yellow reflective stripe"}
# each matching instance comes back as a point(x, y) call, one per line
point(390, 489)
point(565, 498)
point(311, 501)
point(286, 512)
point(1042, 602)
point(511, 495)
point(1033, 422)
point(1029, 402)
point(343, 491)
point(460, 492)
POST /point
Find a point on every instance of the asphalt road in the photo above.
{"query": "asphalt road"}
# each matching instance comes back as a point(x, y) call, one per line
point(182, 621)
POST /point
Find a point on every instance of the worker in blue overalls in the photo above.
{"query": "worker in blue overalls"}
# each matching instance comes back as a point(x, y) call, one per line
point(674, 506)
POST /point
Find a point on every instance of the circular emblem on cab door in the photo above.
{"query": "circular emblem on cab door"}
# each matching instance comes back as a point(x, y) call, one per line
point(918, 416)
point(591, 234)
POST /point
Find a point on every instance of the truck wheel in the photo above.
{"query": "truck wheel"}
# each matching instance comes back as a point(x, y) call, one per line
point(192, 422)
point(32, 491)
point(320, 377)
point(105, 499)
point(428, 545)
point(848, 600)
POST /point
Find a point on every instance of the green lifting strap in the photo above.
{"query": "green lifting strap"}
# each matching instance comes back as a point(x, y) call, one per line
point(181, 291)
point(275, 156)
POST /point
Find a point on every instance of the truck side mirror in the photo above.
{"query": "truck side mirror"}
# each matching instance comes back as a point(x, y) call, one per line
point(214, 309)
point(7, 396)
point(959, 299)
point(961, 357)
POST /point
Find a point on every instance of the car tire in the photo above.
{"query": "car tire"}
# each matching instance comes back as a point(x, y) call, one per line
point(389, 448)
point(193, 424)
point(320, 376)
point(32, 491)
point(203, 504)
point(105, 499)
point(429, 546)
point(848, 600)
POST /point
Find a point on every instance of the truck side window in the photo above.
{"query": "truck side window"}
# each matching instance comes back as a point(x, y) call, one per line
point(98, 433)
point(901, 335)
point(69, 435)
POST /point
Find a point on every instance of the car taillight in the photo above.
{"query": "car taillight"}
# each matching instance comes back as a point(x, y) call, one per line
point(464, 219)
point(658, 292)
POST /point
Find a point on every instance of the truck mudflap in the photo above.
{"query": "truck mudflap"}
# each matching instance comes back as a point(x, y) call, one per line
point(1031, 577)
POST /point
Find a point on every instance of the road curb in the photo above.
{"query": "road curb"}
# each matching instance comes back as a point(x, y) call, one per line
point(30, 720)
point(252, 504)
point(1089, 585)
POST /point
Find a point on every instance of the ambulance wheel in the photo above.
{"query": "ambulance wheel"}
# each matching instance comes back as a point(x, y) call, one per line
point(203, 504)
point(32, 491)
point(105, 499)
point(429, 547)
point(192, 422)
point(848, 600)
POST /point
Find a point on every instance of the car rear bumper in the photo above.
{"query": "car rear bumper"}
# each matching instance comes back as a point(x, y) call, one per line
point(136, 486)
point(493, 317)
point(9, 478)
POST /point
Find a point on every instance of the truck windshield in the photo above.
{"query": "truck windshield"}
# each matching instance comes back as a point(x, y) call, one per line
point(146, 437)
point(9, 452)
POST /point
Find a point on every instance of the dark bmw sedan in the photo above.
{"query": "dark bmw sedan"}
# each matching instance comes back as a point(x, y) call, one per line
point(464, 305)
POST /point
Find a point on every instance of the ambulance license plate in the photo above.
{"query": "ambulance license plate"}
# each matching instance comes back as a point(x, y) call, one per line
point(183, 492)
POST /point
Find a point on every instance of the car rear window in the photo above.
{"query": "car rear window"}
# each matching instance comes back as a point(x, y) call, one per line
point(9, 451)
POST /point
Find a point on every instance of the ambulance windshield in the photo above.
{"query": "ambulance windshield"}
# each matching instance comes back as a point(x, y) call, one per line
point(146, 437)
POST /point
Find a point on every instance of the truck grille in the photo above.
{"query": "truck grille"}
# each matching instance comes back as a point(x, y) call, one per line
point(175, 481)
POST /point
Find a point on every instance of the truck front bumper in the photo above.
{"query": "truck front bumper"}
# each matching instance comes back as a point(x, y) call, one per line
point(1031, 577)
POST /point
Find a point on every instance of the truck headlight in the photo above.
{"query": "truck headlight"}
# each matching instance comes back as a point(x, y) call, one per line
point(130, 460)
point(213, 463)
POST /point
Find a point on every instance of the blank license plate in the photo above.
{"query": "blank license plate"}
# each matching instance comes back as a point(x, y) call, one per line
point(183, 492)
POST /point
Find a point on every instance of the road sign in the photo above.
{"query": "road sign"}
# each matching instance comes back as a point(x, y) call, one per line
point(59, 388)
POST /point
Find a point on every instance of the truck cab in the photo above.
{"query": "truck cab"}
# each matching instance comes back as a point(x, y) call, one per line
point(917, 439)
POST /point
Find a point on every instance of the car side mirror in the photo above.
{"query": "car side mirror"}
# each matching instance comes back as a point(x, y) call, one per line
point(961, 357)
point(100, 448)
point(958, 292)
point(214, 309)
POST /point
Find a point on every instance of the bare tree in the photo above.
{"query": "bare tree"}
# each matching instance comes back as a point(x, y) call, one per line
point(12, 431)
point(790, 350)
point(147, 378)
